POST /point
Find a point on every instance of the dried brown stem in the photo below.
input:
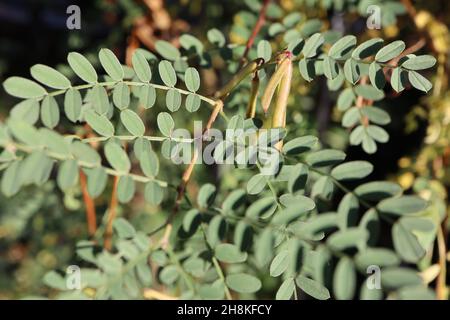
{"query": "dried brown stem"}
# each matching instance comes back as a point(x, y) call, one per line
point(414, 48)
point(259, 23)
point(361, 102)
point(410, 8)
point(112, 211)
point(394, 62)
point(89, 204)
point(186, 177)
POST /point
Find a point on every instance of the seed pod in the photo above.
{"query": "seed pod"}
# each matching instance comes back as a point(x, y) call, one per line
point(273, 83)
point(251, 107)
point(279, 113)
point(248, 69)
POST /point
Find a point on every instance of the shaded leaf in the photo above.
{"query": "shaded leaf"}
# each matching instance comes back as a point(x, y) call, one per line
point(117, 157)
point(243, 283)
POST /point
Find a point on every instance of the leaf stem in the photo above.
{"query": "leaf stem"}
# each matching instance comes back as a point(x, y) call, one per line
point(129, 138)
point(222, 277)
point(131, 83)
point(216, 265)
point(112, 211)
point(89, 204)
point(89, 165)
point(185, 276)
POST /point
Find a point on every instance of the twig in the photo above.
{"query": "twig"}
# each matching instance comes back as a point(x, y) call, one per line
point(111, 215)
point(89, 204)
point(410, 8)
point(259, 23)
point(222, 278)
point(394, 62)
point(186, 277)
point(414, 48)
point(217, 265)
point(186, 177)
point(360, 103)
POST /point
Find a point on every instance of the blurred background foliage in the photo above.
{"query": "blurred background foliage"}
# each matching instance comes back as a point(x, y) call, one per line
point(39, 227)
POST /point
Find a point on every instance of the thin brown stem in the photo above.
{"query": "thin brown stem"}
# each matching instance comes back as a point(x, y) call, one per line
point(111, 216)
point(187, 176)
point(410, 8)
point(394, 62)
point(259, 23)
point(361, 102)
point(89, 204)
point(414, 48)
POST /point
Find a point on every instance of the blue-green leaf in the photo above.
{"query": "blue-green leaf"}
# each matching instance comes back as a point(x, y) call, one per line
point(141, 66)
point(117, 157)
point(23, 88)
point(192, 79)
point(82, 67)
point(99, 123)
point(132, 122)
point(49, 76)
point(111, 64)
point(167, 73)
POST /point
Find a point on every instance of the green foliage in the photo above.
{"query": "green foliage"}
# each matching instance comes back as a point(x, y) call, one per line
point(284, 224)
